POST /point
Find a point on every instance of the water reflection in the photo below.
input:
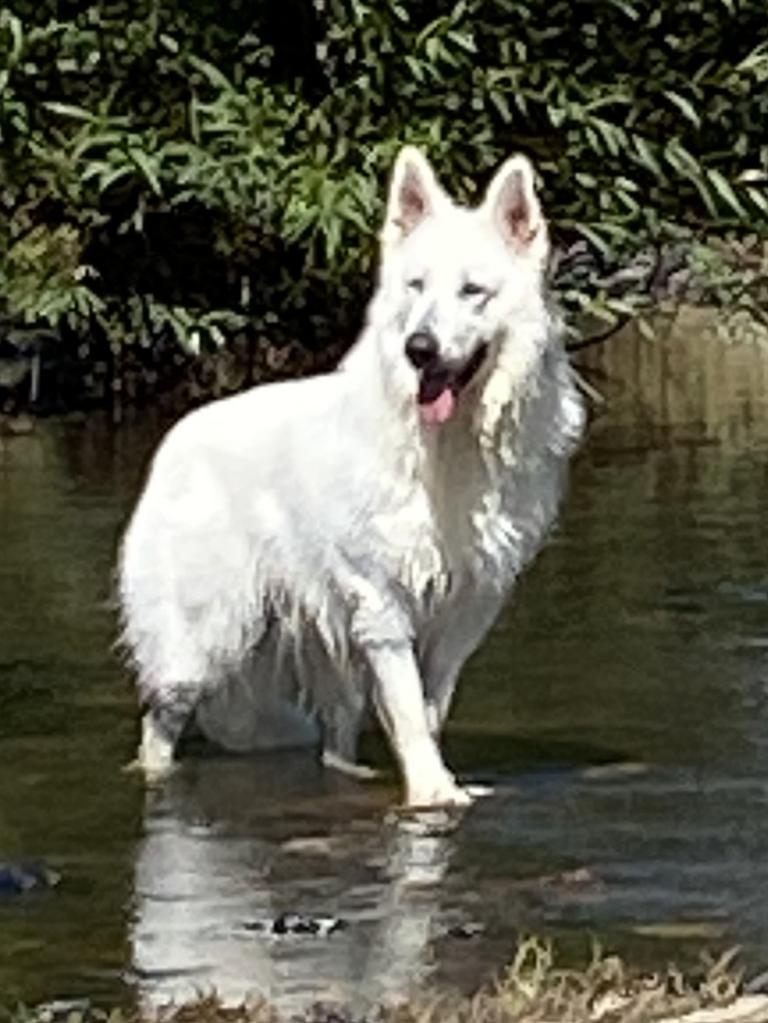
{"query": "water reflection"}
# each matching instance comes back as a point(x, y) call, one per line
point(639, 638)
point(231, 847)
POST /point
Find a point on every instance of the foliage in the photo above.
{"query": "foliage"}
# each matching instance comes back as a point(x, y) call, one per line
point(188, 172)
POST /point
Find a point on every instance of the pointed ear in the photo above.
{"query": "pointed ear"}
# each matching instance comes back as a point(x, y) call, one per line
point(512, 204)
point(414, 195)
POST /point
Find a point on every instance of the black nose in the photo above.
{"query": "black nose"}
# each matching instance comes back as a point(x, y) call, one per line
point(421, 349)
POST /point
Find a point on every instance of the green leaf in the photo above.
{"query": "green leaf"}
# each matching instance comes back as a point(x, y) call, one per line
point(758, 198)
point(69, 110)
point(499, 100)
point(145, 165)
point(211, 72)
point(684, 106)
point(647, 156)
point(592, 235)
point(10, 21)
point(725, 190)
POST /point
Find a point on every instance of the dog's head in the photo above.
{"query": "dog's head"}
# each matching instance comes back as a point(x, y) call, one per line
point(456, 281)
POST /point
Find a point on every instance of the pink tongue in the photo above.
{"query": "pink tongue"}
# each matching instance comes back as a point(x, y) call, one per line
point(439, 410)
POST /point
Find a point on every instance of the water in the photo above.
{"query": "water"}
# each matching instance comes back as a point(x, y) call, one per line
point(619, 710)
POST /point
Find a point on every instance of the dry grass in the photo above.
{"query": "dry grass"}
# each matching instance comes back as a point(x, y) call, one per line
point(532, 989)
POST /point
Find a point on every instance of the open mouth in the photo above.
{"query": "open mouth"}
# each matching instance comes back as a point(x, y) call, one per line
point(440, 386)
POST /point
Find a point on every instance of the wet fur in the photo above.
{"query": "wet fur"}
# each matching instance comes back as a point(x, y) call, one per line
point(305, 549)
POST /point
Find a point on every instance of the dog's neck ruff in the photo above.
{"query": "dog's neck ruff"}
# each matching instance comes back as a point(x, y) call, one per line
point(483, 486)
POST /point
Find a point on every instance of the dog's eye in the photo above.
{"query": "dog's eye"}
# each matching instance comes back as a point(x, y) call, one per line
point(471, 290)
point(416, 284)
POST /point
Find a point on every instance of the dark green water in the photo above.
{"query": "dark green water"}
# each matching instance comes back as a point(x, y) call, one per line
point(619, 710)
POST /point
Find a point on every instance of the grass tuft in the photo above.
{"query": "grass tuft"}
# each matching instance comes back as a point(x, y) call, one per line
point(532, 989)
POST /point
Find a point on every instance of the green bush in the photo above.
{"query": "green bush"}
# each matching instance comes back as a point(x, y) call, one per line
point(207, 173)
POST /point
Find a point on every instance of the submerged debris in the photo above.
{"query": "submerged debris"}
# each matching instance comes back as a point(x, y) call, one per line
point(298, 923)
point(465, 930)
point(20, 878)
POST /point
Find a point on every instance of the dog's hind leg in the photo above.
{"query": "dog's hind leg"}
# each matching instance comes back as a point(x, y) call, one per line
point(162, 725)
point(155, 754)
point(399, 698)
point(340, 694)
point(172, 669)
point(341, 729)
point(256, 704)
point(167, 710)
point(453, 637)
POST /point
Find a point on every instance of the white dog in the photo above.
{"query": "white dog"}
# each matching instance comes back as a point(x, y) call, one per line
point(306, 547)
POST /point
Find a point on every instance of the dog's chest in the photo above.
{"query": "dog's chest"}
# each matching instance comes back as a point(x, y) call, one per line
point(445, 530)
point(490, 512)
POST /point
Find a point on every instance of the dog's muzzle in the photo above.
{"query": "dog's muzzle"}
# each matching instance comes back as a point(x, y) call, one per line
point(440, 381)
point(422, 349)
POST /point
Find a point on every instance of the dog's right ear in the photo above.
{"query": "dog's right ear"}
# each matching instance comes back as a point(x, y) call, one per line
point(414, 195)
point(513, 206)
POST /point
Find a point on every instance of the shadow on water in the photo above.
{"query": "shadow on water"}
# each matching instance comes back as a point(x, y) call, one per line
point(618, 710)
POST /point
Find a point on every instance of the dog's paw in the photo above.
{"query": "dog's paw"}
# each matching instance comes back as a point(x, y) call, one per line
point(353, 770)
point(152, 773)
point(479, 791)
point(442, 793)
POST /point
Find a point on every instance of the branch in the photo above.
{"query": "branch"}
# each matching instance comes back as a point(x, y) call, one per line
point(598, 339)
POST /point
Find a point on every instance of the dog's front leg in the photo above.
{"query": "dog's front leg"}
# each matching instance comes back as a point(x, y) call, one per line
point(399, 697)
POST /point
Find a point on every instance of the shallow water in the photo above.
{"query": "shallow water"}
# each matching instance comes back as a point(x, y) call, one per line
point(618, 710)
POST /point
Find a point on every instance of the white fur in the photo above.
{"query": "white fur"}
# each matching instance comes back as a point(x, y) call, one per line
point(305, 548)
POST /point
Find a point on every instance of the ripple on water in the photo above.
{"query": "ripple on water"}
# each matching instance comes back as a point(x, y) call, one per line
point(618, 711)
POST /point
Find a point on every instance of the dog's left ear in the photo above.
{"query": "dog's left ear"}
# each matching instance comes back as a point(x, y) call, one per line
point(414, 195)
point(512, 204)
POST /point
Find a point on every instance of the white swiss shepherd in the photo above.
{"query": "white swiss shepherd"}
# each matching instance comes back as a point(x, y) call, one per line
point(306, 548)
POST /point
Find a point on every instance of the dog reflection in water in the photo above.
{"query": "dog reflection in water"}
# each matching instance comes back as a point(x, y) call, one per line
point(228, 852)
